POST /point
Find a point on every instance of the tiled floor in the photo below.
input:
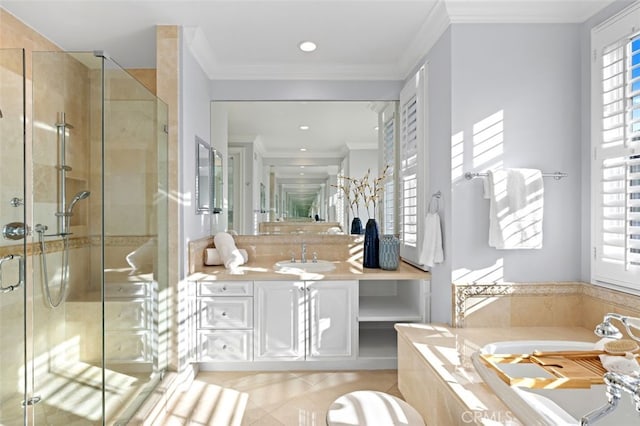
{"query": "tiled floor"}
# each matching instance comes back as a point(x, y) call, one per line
point(271, 398)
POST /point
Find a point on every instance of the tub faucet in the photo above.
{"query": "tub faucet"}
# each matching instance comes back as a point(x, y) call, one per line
point(606, 329)
point(616, 384)
point(303, 256)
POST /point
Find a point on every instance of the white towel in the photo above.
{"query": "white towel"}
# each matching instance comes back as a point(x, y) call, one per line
point(626, 364)
point(432, 242)
point(515, 208)
point(229, 253)
point(212, 257)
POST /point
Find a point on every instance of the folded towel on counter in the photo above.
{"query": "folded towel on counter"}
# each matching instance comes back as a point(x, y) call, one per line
point(334, 230)
point(212, 257)
point(621, 364)
point(229, 253)
point(515, 208)
point(432, 252)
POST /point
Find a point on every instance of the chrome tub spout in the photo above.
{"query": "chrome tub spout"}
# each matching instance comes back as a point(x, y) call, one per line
point(616, 384)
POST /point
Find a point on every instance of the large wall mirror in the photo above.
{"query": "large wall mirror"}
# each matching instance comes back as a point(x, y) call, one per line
point(287, 155)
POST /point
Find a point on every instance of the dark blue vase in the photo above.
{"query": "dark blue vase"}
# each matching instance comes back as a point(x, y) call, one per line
point(356, 226)
point(371, 245)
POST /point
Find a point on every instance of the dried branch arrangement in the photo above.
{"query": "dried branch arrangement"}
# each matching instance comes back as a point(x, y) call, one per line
point(370, 193)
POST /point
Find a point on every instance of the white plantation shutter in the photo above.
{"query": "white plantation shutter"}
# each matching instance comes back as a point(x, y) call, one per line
point(616, 160)
point(388, 159)
point(408, 160)
point(412, 166)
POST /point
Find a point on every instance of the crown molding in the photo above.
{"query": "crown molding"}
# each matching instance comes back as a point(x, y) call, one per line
point(429, 33)
point(306, 72)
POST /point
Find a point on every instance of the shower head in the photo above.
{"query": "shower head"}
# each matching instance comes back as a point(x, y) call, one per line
point(79, 196)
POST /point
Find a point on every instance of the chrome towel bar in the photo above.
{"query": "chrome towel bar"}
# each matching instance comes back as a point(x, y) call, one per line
point(555, 175)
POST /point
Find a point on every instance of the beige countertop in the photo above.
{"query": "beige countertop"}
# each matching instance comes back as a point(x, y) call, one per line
point(446, 352)
point(264, 270)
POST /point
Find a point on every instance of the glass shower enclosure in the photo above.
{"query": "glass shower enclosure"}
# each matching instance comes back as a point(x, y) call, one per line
point(89, 325)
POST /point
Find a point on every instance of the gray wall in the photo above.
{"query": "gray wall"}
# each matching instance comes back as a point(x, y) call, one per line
point(194, 120)
point(530, 73)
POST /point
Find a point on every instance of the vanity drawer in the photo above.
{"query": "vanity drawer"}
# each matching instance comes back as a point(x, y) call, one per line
point(127, 347)
point(234, 345)
point(232, 288)
point(121, 290)
point(127, 314)
point(225, 312)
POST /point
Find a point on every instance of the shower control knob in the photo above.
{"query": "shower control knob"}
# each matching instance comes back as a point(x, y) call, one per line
point(15, 231)
point(16, 202)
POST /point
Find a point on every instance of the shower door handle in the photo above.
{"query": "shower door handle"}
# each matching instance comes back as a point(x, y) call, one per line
point(20, 260)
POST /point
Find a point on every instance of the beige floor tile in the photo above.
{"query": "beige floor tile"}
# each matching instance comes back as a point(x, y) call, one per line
point(302, 411)
point(273, 395)
point(272, 398)
point(268, 420)
point(258, 380)
point(314, 377)
point(253, 413)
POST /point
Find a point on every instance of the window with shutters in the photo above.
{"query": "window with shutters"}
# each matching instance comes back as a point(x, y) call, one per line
point(408, 166)
point(388, 160)
point(412, 161)
point(616, 144)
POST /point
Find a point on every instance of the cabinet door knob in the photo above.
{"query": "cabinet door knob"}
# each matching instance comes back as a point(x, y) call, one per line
point(224, 288)
point(224, 347)
point(224, 314)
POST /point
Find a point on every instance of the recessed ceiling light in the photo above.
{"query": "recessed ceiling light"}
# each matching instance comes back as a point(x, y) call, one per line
point(301, 174)
point(302, 167)
point(304, 127)
point(303, 149)
point(307, 46)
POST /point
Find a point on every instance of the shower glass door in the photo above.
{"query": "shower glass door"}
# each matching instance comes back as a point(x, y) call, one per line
point(12, 244)
point(67, 373)
point(100, 317)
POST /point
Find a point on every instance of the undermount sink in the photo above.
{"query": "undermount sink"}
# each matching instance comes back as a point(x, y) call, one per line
point(310, 266)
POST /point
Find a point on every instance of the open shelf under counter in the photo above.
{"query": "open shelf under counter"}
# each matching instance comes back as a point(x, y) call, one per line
point(378, 342)
point(379, 308)
point(393, 300)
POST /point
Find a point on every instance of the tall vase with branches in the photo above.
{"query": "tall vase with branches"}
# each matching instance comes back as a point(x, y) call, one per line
point(351, 194)
point(371, 193)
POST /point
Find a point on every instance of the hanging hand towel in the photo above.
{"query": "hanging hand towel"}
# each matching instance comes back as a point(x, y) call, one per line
point(515, 208)
point(432, 243)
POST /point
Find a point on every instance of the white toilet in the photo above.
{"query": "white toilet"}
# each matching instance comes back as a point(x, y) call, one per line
point(372, 408)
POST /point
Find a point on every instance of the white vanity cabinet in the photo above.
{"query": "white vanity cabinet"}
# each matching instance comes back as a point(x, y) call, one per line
point(305, 320)
point(224, 321)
